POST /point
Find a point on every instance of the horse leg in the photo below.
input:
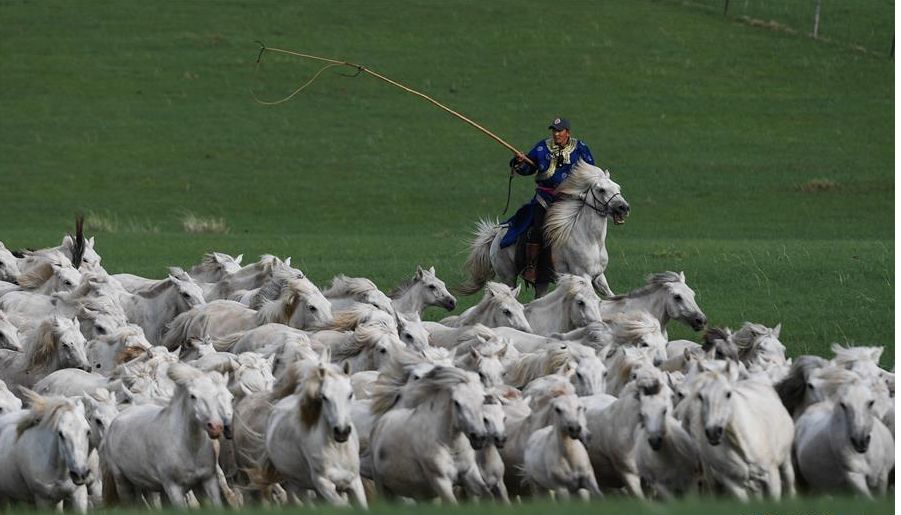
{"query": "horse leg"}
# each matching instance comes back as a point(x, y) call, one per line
point(734, 489)
point(211, 490)
point(500, 492)
point(774, 483)
point(633, 484)
point(326, 489)
point(358, 493)
point(475, 485)
point(444, 487)
point(79, 499)
point(858, 483)
point(787, 471)
point(600, 284)
point(175, 494)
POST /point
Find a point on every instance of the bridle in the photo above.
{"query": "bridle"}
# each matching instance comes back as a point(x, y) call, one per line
point(604, 209)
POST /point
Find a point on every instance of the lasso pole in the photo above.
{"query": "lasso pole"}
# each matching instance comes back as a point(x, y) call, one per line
point(361, 68)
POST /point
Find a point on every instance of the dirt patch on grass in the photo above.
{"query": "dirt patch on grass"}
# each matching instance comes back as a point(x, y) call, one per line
point(819, 185)
point(193, 223)
point(107, 222)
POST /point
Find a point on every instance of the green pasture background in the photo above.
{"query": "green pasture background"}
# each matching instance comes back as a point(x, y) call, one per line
point(757, 160)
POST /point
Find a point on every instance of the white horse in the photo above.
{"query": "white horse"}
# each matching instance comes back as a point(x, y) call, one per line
point(56, 343)
point(253, 276)
point(44, 451)
point(300, 305)
point(413, 447)
point(51, 274)
point(423, 290)
point(151, 448)
point(665, 454)
point(156, 306)
point(90, 259)
point(665, 297)
point(497, 308)
point(743, 432)
point(573, 304)
point(8, 401)
point(491, 464)
point(100, 409)
point(556, 459)
point(122, 345)
point(215, 266)
point(367, 347)
point(840, 444)
point(614, 430)
point(759, 349)
point(9, 265)
point(575, 229)
point(9, 334)
point(310, 439)
point(344, 292)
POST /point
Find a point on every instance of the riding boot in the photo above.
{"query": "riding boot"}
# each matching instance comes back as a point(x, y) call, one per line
point(530, 273)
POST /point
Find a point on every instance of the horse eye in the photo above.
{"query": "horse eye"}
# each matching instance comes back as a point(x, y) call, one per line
point(558, 410)
point(62, 436)
point(432, 287)
point(678, 298)
point(89, 432)
point(100, 329)
point(507, 312)
point(602, 190)
point(383, 351)
point(580, 303)
point(193, 397)
point(98, 422)
point(408, 336)
point(67, 282)
point(350, 396)
point(313, 309)
point(186, 295)
point(325, 399)
point(728, 395)
point(870, 404)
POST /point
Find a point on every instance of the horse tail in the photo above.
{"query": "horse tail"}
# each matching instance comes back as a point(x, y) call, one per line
point(225, 343)
point(478, 264)
point(177, 330)
point(110, 493)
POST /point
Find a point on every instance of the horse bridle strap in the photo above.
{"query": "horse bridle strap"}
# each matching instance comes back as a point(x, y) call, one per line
point(604, 209)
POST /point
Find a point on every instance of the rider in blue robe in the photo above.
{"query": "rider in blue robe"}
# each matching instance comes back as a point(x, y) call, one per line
point(554, 158)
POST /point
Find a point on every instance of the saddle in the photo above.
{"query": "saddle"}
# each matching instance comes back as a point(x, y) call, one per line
point(545, 273)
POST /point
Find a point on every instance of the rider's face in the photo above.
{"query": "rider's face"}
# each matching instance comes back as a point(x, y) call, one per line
point(561, 137)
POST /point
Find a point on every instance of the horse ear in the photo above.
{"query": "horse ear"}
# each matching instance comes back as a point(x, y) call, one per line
point(876, 353)
point(68, 241)
point(686, 354)
point(432, 270)
point(516, 291)
point(474, 353)
point(326, 356)
point(418, 272)
point(732, 371)
point(682, 276)
point(288, 261)
point(777, 330)
point(239, 258)
point(90, 242)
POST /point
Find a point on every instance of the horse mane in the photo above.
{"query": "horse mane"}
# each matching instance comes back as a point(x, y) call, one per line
point(632, 326)
point(567, 286)
point(350, 318)
point(653, 283)
point(282, 308)
point(562, 215)
point(41, 344)
point(792, 388)
point(846, 356)
point(37, 275)
point(343, 286)
point(210, 262)
point(310, 396)
point(720, 339)
point(43, 410)
point(493, 292)
point(474, 336)
point(364, 336)
point(545, 389)
point(747, 338)
point(402, 288)
point(181, 374)
point(533, 366)
point(439, 380)
point(394, 374)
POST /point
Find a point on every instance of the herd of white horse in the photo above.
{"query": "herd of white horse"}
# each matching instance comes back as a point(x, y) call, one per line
point(239, 384)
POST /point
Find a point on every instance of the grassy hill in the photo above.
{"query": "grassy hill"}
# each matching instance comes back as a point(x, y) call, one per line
point(758, 161)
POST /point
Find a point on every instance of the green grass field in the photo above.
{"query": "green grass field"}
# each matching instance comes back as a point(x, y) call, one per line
point(758, 161)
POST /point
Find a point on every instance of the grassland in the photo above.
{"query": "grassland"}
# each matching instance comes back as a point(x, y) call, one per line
point(758, 161)
point(722, 135)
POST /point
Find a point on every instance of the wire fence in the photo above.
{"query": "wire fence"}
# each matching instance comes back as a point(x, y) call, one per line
point(865, 24)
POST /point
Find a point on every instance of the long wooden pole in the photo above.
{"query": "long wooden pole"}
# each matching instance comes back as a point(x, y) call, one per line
point(361, 68)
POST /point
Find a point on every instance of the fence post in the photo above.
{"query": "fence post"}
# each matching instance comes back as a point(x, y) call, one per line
point(816, 20)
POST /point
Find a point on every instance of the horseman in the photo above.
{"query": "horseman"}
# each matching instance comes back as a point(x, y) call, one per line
point(553, 158)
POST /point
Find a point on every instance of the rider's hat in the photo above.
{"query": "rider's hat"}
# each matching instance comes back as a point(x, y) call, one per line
point(559, 124)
